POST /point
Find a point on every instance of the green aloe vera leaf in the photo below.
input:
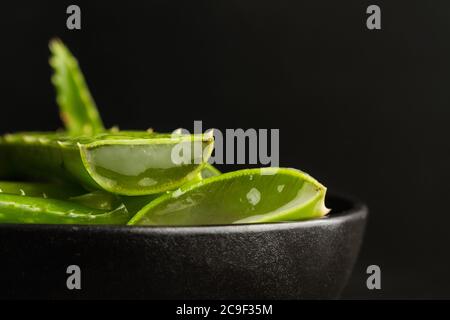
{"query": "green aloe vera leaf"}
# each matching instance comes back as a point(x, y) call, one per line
point(24, 209)
point(209, 171)
point(40, 189)
point(77, 107)
point(98, 200)
point(136, 203)
point(125, 162)
point(245, 196)
point(108, 201)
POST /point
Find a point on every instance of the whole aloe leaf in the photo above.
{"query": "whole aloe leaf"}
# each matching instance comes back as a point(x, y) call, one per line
point(77, 107)
point(245, 196)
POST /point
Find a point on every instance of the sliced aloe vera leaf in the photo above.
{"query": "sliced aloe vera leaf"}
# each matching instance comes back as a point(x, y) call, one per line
point(40, 189)
point(125, 162)
point(245, 196)
point(108, 201)
point(77, 107)
point(24, 209)
point(136, 203)
point(98, 200)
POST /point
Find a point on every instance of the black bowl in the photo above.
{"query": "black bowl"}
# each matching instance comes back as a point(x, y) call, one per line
point(292, 260)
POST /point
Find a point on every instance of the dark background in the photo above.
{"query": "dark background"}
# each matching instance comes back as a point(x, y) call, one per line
point(365, 112)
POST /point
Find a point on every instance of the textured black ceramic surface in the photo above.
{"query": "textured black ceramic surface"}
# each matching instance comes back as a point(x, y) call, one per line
point(310, 259)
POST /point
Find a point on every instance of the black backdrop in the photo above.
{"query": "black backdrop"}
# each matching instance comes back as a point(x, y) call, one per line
point(366, 112)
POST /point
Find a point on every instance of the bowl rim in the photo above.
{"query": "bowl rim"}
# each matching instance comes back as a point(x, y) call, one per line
point(356, 210)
